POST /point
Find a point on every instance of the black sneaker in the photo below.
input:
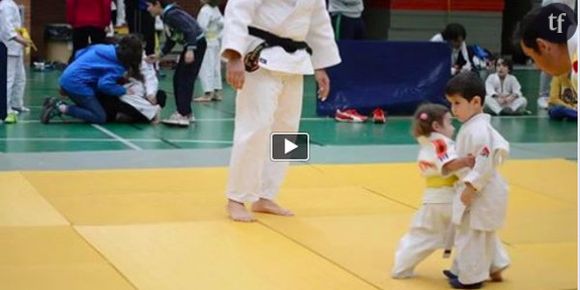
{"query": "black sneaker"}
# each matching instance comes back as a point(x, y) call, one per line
point(50, 109)
point(449, 274)
point(455, 284)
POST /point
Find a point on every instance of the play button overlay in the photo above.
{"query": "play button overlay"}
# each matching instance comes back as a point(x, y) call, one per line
point(290, 147)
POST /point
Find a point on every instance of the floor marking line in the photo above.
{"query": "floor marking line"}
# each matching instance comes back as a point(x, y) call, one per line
point(117, 137)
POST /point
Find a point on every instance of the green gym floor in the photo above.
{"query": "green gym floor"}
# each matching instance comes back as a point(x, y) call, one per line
point(123, 206)
point(214, 128)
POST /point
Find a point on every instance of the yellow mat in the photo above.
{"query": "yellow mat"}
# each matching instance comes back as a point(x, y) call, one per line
point(166, 229)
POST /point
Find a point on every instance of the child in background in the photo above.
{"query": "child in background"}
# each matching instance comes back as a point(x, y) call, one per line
point(141, 104)
point(455, 35)
point(431, 228)
point(181, 28)
point(563, 102)
point(503, 91)
point(96, 69)
point(10, 24)
point(212, 21)
point(480, 207)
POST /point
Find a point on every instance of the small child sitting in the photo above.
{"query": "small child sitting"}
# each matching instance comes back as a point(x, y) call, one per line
point(503, 91)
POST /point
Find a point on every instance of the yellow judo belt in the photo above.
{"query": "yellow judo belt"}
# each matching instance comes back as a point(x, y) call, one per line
point(438, 181)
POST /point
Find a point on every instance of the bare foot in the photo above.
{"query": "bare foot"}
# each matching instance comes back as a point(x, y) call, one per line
point(496, 276)
point(238, 212)
point(269, 206)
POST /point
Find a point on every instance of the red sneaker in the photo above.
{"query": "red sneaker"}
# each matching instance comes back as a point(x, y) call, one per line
point(350, 116)
point(379, 116)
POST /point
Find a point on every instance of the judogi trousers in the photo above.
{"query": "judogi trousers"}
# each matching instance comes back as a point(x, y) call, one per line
point(478, 253)
point(269, 102)
point(210, 73)
point(16, 81)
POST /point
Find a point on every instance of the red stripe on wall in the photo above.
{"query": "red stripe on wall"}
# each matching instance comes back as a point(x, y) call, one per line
point(455, 5)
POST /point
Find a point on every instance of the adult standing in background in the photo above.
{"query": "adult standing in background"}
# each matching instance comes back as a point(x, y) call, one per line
point(10, 24)
point(89, 19)
point(346, 19)
point(141, 22)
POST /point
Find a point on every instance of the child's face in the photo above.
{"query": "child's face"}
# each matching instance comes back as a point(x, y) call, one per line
point(154, 8)
point(463, 109)
point(501, 69)
point(445, 128)
point(456, 43)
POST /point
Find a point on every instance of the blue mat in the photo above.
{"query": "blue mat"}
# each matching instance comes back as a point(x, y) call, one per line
point(395, 76)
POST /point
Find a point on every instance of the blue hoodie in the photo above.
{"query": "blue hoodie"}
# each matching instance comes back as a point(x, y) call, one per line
point(95, 69)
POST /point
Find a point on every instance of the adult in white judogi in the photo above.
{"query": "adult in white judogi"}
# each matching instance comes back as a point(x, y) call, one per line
point(431, 228)
point(212, 21)
point(270, 98)
point(478, 250)
point(11, 21)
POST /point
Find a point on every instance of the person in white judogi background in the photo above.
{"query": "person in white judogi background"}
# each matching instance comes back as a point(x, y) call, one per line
point(269, 99)
point(503, 91)
point(212, 21)
point(479, 209)
point(11, 23)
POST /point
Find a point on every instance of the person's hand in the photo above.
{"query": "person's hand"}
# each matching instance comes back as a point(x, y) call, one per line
point(323, 84)
point(23, 41)
point(189, 57)
point(152, 58)
point(235, 70)
point(468, 195)
point(469, 161)
point(511, 98)
point(501, 99)
point(152, 99)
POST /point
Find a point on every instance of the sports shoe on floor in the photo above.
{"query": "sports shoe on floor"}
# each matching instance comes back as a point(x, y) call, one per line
point(11, 118)
point(217, 95)
point(50, 109)
point(207, 97)
point(22, 109)
point(177, 120)
point(350, 115)
point(455, 284)
point(379, 116)
point(543, 103)
point(449, 274)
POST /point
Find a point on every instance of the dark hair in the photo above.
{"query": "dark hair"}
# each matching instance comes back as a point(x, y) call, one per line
point(424, 117)
point(130, 54)
point(163, 3)
point(453, 31)
point(535, 25)
point(468, 85)
point(504, 61)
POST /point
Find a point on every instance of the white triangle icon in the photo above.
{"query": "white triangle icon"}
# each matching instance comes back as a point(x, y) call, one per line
point(289, 146)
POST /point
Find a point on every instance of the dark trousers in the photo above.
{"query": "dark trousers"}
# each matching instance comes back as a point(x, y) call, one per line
point(563, 113)
point(81, 37)
point(348, 28)
point(3, 81)
point(114, 106)
point(142, 23)
point(185, 76)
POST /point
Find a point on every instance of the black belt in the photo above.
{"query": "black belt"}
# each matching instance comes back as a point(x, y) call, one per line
point(270, 40)
point(288, 44)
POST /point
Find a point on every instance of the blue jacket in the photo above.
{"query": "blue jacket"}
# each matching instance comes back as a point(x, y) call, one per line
point(95, 69)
